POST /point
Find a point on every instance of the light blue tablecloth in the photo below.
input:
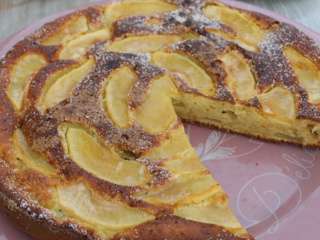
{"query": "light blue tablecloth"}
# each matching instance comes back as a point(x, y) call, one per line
point(16, 14)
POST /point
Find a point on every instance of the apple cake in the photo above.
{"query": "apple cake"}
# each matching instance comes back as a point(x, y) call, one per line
point(92, 144)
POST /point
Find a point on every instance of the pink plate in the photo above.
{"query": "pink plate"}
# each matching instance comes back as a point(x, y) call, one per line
point(273, 188)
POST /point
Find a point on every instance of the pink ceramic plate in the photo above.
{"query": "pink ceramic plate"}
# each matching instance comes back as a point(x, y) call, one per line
point(274, 188)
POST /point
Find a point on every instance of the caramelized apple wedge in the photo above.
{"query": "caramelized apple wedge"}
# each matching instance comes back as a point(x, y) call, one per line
point(117, 88)
point(188, 163)
point(80, 202)
point(278, 101)
point(307, 72)
point(71, 28)
point(176, 145)
point(143, 44)
point(102, 161)
point(60, 85)
point(239, 80)
point(212, 211)
point(162, 117)
point(184, 189)
point(21, 74)
point(78, 47)
point(248, 34)
point(193, 75)
point(27, 157)
point(125, 9)
point(176, 153)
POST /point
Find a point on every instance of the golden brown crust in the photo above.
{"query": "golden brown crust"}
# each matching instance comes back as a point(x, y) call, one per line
point(33, 222)
point(31, 218)
point(37, 184)
point(19, 49)
point(175, 228)
point(38, 81)
point(8, 122)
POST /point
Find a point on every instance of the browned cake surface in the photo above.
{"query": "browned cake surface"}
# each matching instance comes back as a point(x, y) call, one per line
point(91, 145)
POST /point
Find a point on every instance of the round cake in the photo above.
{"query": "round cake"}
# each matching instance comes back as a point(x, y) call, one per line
point(92, 142)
